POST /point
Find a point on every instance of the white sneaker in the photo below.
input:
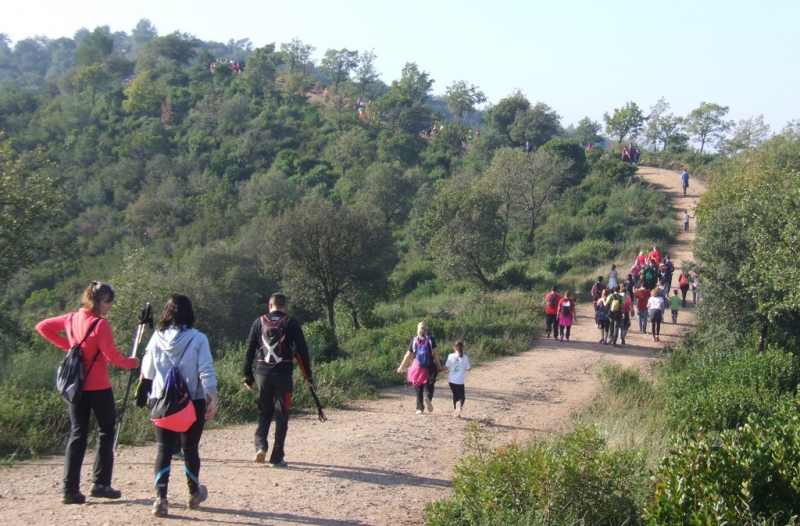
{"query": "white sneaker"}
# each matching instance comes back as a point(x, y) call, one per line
point(419, 411)
point(260, 456)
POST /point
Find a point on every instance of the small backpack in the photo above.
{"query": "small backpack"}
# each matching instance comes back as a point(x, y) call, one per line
point(174, 409)
point(273, 336)
point(552, 300)
point(597, 291)
point(648, 274)
point(70, 375)
point(422, 351)
point(683, 282)
point(616, 304)
point(566, 308)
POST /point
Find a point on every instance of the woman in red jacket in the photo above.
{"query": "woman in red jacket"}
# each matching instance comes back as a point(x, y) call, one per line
point(98, 350)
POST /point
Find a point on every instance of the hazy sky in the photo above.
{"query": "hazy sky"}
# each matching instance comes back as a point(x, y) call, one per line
point(582, 58)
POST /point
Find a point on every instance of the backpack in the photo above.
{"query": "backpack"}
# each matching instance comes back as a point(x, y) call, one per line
point(648, 274)
point(70, 375)
point(566, 309)
point(422, 351)
point(551, 300)
point(174, 409)
point(683, 281)
point(597, 291)
point(616, 304)
point(273, 336)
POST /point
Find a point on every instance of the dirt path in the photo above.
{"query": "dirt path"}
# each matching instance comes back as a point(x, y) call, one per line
point(374, 463)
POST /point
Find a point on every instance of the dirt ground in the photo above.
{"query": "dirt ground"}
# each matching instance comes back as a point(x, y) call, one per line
point(375, 462)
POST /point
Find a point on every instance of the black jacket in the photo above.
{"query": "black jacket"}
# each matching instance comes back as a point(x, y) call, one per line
point(295, 341)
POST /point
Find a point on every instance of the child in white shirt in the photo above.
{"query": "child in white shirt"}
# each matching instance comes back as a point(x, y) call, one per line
point(457, 364)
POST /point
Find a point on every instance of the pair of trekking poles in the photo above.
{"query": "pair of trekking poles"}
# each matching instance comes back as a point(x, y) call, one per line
point(146, 320)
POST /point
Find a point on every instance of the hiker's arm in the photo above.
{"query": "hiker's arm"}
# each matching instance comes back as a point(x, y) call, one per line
point(106, 342)
point(50, 328)
point(436, 358)
point(403, 363)
point(250, 354)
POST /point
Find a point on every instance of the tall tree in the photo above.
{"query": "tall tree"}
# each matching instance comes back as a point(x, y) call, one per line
point(749, 133)
point(708, 122)
point(92, 79)
point(404, 109)
point(501, 116)
point(625, 122)
point(95, 48)
point(337, 65)
point(297, 56)
point(588, 132)
point(366, 73)
point(259, 75)
point(536, 125)
point(462, 98)
point(177, 46)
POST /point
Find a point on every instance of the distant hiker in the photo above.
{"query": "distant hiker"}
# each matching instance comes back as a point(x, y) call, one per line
point(551, 311)
point(276, 338)
point(666, 270)
point(629, 285)
point(655, 307)
point(527, 147)
point(642, 295)
point(686, 218)
point(424, 367)
point(603, 322)
point(614, 303)
point(683, 284)
point(612, 277)
point(695, 289)
point(685, 181)
point(457, 366)
point(566, 315)
point(625, 155)
point(674, 305)
point(641, 259)
point(89, 328)
point(655, 255)
point(597, 293)
point(177, 343)
point(627, 306)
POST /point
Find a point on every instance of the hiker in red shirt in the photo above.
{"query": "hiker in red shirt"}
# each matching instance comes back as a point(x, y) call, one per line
point(551, 311)
point(655, 255)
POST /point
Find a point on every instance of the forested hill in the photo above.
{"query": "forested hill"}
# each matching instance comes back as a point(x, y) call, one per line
point(168, 163)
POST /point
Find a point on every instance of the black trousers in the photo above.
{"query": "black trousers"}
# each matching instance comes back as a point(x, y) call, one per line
point(562, 329)
point(458, 394)
point(551, 323)
point(102, 403)
point(426, 389)
point(274, 400)
point(189, 441)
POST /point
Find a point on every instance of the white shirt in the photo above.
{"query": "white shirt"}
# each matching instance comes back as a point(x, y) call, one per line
point(458, 368)
point(655, 302)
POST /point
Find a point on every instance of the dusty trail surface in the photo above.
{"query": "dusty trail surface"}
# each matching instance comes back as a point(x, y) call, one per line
point(373, 463)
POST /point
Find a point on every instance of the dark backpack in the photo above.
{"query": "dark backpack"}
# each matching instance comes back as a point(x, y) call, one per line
point(70, 375)
point(423, 352)
point(174, 409)
point(648, 274)
point(597, 291)
point(566, 309)
point(273, 338)
point(552, 300)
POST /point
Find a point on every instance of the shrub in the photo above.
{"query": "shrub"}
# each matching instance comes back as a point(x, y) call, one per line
point(613, 171)
point(590, 252)
point(512, 274)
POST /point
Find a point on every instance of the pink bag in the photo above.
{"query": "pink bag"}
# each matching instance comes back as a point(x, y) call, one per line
point(417, 375)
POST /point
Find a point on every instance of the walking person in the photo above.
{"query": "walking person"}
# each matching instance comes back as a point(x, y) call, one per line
point(90, 328)
point(424, 367)
point(566, 315)
point(551, 311)
point(642, 295)
point(683, 283)
point(603, 321)
point(457, 365)
point(275, 339)
point(655, 306)
point(613, 278)
point(695, 289)
point(597, 293)
point(627, 306)
point(177, 343)
point(674, 305)
point(686, 218)
point(685, 181)
point(614, 302)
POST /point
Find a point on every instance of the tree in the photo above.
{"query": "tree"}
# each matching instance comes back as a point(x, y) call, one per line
point(501, 116)
point(143, 94)
point(463, 230)
point(537, 125)
point(91, 78)
point(367, 73)
point(664, 129)
point(462, 98)
point(177, 46)
point(95, 48)
point(297, 56)
point(31, 204)
point(625, 122)
point(404, 109)
point(143, 33)
point(351, 149)
point(262, 66)
point(748, 134)
point(322, 252)
point(708, 122)
point(337, 66)
point(588, 132)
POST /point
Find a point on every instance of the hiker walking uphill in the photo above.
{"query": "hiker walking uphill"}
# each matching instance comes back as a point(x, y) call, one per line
point(276, 338)
point(551, 311)
point(597, 293)
point(424, 367)
point(685, 181)
point(566, 315)
point(177, 344)
point(89, 328)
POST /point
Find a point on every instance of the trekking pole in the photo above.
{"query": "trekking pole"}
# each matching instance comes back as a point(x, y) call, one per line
point(322, 416)
point(145, 318)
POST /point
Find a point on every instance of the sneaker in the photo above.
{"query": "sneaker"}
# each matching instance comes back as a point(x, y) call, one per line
point(602, 340)
point(178, 455)
point(197, 497)
point(655, 339)
point(419, 411)
point(279, 464)
point(73, 498)
point(160, 507)
point(428, 404)
point(105, 492)
point(658, 338)
point(260, 456)
point(623, 341)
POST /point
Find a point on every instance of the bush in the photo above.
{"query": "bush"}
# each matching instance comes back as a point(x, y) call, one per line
point(512, 274)
point(590, 252)
point(578, 479)
point(613, 171)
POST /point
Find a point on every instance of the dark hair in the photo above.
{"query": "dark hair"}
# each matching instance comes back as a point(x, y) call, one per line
point(278, 301)
point(95, 294)
point(555, 288)
point(178, 312)
point(459, 347)
point(599, 278)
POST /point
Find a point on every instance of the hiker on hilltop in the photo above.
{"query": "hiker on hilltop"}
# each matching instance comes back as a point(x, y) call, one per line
point(90, 329)
point(685, 181)
point(424, 367)
point(551, 311)
point(277, 338)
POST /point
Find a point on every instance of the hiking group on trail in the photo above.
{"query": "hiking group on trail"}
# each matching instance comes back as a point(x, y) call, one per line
point(649, 284)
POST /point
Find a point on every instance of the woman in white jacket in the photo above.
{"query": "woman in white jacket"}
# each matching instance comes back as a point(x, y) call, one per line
point(177, 343)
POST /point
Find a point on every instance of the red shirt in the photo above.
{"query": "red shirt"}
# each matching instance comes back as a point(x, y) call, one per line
point(642, 296)
point(548, 309)
point(656, 255)
point(100, 340)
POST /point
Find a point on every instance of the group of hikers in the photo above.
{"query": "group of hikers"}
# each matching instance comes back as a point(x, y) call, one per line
point(176, 348)
point(631, 154)
point(237, 66)
point(648, 285)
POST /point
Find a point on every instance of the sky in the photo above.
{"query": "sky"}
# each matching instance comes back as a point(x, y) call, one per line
point(582, 58)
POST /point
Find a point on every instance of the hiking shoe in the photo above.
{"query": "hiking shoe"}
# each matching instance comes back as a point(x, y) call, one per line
point(105, 492)
point(279, 464)
point(73, 498)
point(419, 412)
point(178, 455)
point(428, 404)
point(197, 497)
point(602, 340)
point(260, 456)
point(160, 507)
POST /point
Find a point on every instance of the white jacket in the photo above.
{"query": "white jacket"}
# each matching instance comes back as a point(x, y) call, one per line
point(196, 365)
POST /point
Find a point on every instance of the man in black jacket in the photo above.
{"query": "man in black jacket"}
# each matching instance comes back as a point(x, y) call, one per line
point(276, 338)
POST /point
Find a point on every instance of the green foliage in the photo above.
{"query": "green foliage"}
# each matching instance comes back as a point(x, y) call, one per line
point(707, 122)
point(624, 122)
point(574, 153)
point(577, 479)
point(614, 171)
point(462, 98)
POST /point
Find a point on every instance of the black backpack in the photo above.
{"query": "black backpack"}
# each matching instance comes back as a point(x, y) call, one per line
point(70, 375)
point(273, 338)
point(566, 309)
point(552, 300)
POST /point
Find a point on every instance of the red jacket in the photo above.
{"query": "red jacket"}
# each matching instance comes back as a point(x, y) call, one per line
point(101, 340)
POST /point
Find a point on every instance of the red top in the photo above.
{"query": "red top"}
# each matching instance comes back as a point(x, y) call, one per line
point(656, 255)
point(75, 325)
point(548, 309)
